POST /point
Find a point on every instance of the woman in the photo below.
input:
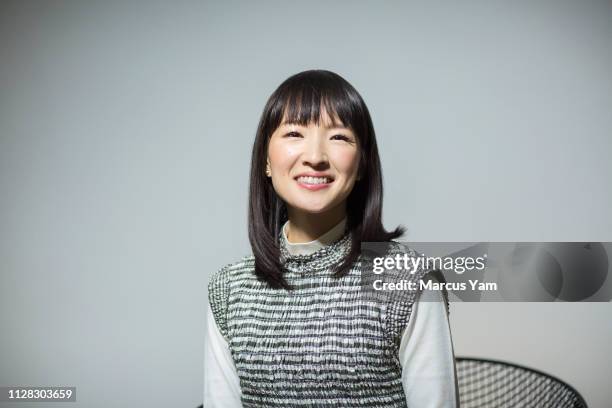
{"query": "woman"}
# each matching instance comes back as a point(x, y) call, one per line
point(286, 325)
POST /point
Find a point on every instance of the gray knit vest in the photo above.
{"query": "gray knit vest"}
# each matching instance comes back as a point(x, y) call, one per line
point(320, 345)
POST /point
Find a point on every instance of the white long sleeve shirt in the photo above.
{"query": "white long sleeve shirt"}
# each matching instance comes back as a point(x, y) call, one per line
point(426, 350)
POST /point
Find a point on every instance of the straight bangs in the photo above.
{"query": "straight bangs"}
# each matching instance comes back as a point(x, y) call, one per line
point(302, 102)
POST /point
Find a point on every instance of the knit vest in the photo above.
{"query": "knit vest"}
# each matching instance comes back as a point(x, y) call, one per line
point(319, 345)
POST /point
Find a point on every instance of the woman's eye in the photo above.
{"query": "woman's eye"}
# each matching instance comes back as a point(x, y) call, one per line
point(341, 137)
point(293, 134)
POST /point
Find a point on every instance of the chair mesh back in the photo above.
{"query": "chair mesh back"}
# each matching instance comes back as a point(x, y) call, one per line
point(496, 384)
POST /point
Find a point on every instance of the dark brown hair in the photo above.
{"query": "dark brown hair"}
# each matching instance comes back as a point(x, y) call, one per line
point(300, 98)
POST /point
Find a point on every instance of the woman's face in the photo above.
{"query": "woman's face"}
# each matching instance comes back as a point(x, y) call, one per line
point(314, 167)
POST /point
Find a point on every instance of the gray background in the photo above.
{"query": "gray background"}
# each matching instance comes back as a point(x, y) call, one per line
point(125, 138)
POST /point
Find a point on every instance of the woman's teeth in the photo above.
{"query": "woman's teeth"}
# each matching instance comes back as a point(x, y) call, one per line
point(314, 180)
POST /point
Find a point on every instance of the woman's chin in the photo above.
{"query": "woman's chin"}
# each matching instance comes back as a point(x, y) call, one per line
point(314, 209)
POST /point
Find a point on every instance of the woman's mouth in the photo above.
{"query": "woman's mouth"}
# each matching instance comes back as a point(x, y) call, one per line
point(314, 183)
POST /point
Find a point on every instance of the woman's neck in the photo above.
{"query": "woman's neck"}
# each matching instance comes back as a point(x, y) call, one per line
point(306, 227)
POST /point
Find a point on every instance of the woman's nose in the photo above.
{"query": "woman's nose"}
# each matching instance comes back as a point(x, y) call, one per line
point(315, 154)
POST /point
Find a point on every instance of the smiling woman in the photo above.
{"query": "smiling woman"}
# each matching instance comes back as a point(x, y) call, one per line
point(314, 122)
point(287, 326)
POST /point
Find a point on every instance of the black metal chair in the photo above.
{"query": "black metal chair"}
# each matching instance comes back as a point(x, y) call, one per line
point(498, 384)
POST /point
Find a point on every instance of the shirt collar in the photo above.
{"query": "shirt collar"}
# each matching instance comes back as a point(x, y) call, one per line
point(306, 248)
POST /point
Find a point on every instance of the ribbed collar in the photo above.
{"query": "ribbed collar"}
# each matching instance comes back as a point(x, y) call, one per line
point(322, 253)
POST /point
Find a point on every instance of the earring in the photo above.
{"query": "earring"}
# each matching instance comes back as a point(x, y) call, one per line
point(268, 172)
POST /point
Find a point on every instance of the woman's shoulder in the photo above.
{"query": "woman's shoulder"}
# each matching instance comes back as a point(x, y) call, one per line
point(425, 271)
point(405, 248)
point(394, 247)
point(232, 270)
